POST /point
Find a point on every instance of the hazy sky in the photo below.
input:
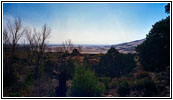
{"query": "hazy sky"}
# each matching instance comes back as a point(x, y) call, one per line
point(89, 23)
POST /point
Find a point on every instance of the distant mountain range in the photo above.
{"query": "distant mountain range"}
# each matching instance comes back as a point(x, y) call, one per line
point(128, 47)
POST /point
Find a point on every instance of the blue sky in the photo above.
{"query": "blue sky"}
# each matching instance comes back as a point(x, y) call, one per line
point(89, 23)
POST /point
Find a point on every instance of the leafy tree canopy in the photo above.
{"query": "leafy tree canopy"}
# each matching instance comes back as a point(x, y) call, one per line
point(154, 52)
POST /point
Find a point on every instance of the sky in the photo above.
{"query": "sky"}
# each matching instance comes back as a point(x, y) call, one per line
point(88, 23)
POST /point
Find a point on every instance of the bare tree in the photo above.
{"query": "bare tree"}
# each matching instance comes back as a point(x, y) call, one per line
point(67, 46)
point(30, 39)
point(11, 34)
point(14, 33)
point(41, 38)
point(5, 49)
point(32, 45)
point(37, 40)
point(37, 43)
point(5, 37)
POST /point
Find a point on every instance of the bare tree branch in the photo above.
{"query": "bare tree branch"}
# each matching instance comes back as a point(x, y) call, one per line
point(67, 46)
point(12, 33)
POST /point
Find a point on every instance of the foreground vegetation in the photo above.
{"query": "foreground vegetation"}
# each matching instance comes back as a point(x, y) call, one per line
point(30, 71)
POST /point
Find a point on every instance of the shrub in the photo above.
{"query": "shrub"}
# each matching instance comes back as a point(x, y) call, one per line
point(66, 73)
point(15, 94)
point(75, 52)
point(28, 81)
point(141, 74)
point(147, 86)
point(123, 88)
point(85, 83)
point(106, 81)
point(114, 64)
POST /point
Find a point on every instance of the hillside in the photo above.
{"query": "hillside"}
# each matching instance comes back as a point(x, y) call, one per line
point(128, 47)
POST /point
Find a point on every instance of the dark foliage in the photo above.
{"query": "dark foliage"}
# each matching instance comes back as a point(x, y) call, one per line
point(114, 64)
point(66, 73)
point(75, 52)
point(147, 86)
point(167, 8)
point(123, 88)
point(61, 89)
point(154, 52)
point(9, 79)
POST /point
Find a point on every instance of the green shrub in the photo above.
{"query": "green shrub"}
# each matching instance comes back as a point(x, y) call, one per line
point(28, 81)
point(123, 88)
point(85, 83)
